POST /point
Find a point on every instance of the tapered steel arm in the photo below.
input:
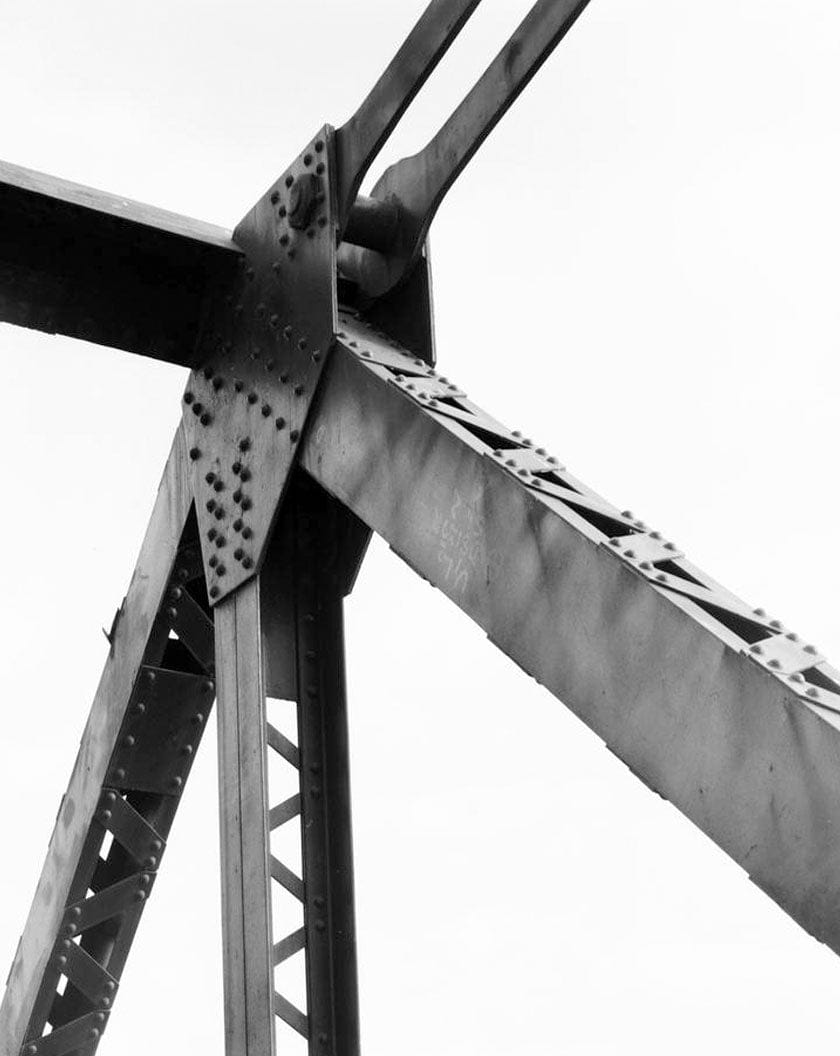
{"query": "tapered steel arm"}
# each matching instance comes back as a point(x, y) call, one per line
point(361, 138)
point(411, 190)
point(95, 266)
point(710, 703)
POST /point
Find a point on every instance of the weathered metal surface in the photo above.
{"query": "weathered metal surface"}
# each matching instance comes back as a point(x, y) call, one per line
point(84, 897)
point(659, 667)
point(95, 266)
point(263, 349)
point(417, 185)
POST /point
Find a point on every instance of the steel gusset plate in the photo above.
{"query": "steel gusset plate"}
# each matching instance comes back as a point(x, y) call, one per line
point(262, 351)
point(161, 731)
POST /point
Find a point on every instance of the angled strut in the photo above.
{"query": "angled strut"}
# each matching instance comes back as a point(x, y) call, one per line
point(409, 193)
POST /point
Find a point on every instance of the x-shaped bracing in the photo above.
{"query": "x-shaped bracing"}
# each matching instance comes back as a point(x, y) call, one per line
point(314, 414)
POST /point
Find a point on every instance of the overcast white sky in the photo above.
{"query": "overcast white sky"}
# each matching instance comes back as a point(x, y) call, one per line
point(639, 269)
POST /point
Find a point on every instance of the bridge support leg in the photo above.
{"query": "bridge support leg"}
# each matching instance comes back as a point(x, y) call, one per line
point(280, 664)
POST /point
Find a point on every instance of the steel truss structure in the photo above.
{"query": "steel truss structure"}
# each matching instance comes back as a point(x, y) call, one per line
point(314, 415)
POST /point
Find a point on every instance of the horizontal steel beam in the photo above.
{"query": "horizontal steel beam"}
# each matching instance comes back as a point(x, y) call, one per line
point(716, 708)
point(105, 269)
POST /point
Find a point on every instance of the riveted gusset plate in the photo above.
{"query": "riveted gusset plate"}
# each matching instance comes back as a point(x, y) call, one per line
point(161, 731)
point(263, 348)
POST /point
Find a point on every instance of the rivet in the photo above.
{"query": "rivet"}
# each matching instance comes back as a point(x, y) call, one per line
point(289, 180)
point(218, 485)
point(299, 390)
point(221, 542)
point(797, 677)
point(247, 562)
point(773, 663)
point(662, 578)
point(316, 356)
point(212, 561)
point(245, 475)
point(237, 524)
point(302, 344)
point(246, 532)
point(236, 468)
point(320, 925)
point(287, 333)
point(237, 553)
point(237, 495)
point(646, 565)
point(266, 410)
point(221, 570)
point(759, 612)
point(274, 197)
point(290, 254)
point(176, 782)
point(812, 692)
point(210, 505)
point(197, 408)
point(811, 650)
point(245, 503)
point(195, 454)
point(119, 774)
point(219, 512)
point(293, 435)
point(188, 397)
point(252, 397)
point(205, 419)
point(281, 212)
point(627, 514)
point(198, 718)
point(129, 741)
point(208, 373)
point(187, 749)
point(319, 168)
point(756, 649)
point(307, 159)
point(209, 686)
point(140, 709)
point(218, 383)
point(777, 624)
point(244, 444)
point(284, 239)
point(319, 145)
point(238, 386)
point(210, 477)
point(214, 592)
point(139, 896)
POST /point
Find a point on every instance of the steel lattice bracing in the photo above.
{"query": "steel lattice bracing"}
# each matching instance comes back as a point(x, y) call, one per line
point(313, 415)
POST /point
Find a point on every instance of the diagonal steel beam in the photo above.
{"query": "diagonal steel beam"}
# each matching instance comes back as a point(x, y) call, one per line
point(717, 708)
point(95, 266)
point(134, 758)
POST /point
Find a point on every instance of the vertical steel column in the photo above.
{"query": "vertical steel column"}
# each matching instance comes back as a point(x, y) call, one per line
point(332, 988)
point(281, 635)
point(243, 807)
